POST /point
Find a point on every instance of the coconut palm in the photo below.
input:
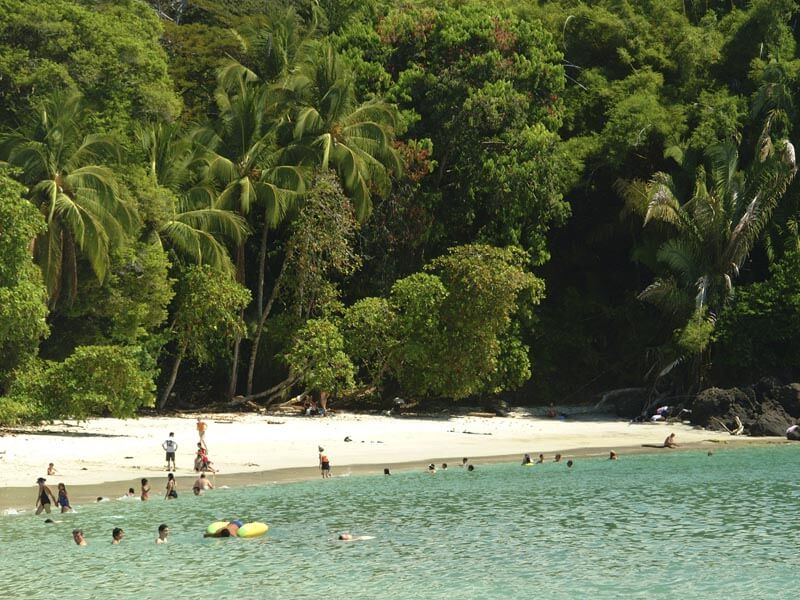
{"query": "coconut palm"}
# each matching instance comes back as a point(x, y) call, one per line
point(713, 232)
point(194, 231)
point(708, 236)
point(243, 167)
point(328, 128)
point(79, 197)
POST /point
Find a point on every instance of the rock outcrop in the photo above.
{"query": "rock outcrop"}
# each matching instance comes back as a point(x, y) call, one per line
point(766, 408)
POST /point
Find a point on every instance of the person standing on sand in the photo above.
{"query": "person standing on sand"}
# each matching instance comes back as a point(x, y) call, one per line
point(163, 534)
point(324, 463)
point(170, 446)
point(171, 491)
point(43, 496)
point(670, 441)
point(201, 431)
point(145, 490)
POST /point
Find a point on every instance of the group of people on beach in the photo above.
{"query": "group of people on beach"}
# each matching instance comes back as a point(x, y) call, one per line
point(202, 462)
point(44, 494)
point(45, 498)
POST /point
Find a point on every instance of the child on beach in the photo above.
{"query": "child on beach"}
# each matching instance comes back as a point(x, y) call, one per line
point(63, 498)
point(43, 497)
point(51, 470)
point(201, 461)
point(670, 441)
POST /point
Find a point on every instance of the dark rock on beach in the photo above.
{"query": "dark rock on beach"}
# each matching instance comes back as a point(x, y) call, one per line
point(766, 408)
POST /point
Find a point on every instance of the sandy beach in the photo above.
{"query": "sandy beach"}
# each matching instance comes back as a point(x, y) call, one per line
point(103, 457)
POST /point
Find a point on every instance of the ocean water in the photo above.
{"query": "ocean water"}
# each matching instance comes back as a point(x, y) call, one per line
point(674, 524)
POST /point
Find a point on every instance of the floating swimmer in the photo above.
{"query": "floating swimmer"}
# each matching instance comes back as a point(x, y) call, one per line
point(223, 529)
point(349, 537)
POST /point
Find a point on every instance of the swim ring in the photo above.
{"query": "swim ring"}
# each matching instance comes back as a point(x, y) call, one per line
point(251, 530)
point(216, 526)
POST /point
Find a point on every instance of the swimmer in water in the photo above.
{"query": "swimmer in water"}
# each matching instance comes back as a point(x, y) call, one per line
point(116, 535)
point(229, 530)
point(163, 534)
point(77, 535)
point(349, 537)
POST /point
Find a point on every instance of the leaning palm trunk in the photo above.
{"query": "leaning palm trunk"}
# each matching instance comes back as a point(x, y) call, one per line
point(260, 329)
point(173, 376)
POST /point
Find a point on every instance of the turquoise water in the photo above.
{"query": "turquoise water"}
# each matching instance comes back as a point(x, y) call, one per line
point(666, 525)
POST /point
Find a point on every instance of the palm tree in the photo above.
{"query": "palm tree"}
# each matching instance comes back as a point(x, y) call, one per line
point(191, 230)
point(79, 197)
point(710, 234)
point(327, 128)
point(715, 230)
point(243, 167)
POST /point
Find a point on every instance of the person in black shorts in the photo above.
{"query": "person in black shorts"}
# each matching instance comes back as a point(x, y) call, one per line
point(324, 463)
point(170, 446)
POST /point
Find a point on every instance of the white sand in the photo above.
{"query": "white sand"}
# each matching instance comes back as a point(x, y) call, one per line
point(112, 450)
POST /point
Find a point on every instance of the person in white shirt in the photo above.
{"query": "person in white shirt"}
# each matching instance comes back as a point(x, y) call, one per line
point(170, 446)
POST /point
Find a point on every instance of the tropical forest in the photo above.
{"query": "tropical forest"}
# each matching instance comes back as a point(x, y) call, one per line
point(241, 202)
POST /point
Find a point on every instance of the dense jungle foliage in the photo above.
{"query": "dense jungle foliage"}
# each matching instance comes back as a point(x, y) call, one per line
point(451, 199)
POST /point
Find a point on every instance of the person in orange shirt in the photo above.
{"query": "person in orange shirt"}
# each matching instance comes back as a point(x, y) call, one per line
point(201, 431)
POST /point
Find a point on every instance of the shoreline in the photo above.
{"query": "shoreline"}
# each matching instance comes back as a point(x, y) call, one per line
point(571, 438)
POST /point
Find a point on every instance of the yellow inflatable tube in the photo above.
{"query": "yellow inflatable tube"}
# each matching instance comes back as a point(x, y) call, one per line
point(216, 526)
point(251, 530)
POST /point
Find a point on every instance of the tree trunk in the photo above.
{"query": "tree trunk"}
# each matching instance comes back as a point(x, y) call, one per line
point(260, 329)
point(238, 342)
point(235, 366)
point(262, 270)
point(172, 377)
point(278, 387)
